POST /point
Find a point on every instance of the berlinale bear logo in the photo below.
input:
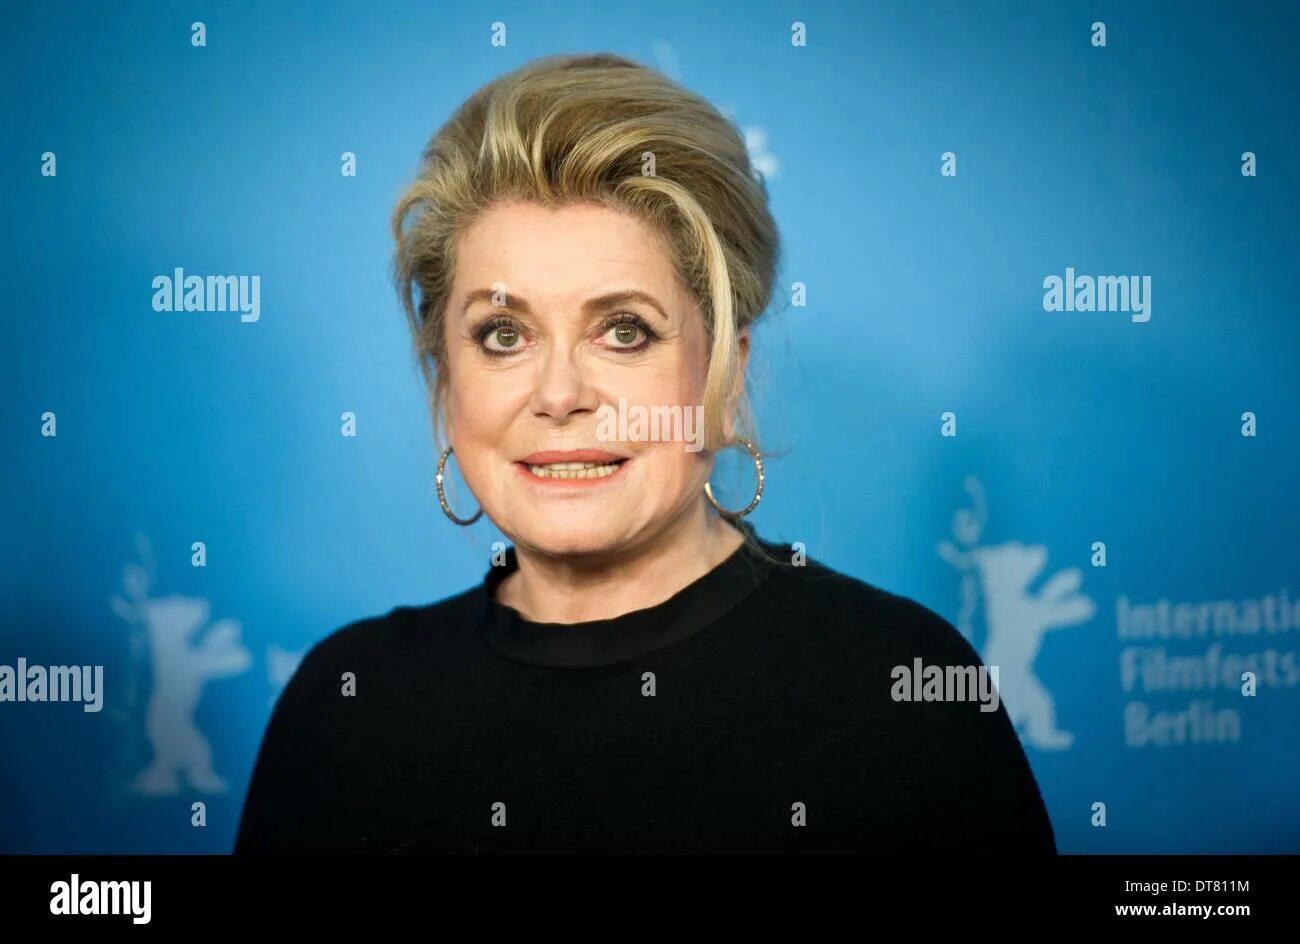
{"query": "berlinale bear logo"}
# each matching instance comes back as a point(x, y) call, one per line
point(167, 627)
point(1016, 619)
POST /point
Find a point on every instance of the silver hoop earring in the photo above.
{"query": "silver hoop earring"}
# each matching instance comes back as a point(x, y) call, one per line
point(442, 496)
point(758, 492)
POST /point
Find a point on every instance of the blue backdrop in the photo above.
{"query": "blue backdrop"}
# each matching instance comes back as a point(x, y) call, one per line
point(1104, 500)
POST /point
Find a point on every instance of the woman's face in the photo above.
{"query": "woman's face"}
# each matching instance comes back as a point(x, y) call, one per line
point(543, 331)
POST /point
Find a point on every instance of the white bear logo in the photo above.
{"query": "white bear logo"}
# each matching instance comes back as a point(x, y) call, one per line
point(1016, 619)
point(181, 667)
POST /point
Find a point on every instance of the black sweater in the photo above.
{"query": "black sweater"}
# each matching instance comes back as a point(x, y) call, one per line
point(757, 710)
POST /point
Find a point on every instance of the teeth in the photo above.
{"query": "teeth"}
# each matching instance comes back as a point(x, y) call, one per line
point(573, 470)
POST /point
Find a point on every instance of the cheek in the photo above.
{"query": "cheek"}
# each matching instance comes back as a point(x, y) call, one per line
point(678, 470)
point(680, 377)
point(478, 409)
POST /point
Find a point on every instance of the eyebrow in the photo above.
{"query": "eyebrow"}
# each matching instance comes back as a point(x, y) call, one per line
point(600, 302)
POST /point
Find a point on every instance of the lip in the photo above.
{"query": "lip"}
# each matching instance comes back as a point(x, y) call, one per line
point(571, 455)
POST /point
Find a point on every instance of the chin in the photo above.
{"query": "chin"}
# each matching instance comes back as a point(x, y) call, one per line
point(569, 535)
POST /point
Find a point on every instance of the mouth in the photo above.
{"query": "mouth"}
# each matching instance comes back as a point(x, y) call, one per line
point(576, 467)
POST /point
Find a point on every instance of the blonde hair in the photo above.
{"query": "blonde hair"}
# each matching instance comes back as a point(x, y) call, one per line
point(582, 129)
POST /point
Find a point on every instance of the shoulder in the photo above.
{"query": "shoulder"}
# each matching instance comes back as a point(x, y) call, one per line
point(382, 643)
point(890, 622)
point(923, 696)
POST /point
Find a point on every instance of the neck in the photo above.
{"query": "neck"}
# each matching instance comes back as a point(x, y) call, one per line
point(552, 589)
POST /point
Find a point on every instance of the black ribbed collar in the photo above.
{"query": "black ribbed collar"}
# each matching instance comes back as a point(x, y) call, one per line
point(631, 635)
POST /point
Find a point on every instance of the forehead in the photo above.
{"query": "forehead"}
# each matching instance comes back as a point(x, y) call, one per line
point(563, 252)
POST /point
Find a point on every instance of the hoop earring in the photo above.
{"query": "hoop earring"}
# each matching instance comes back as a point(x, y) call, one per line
point(758, 493)
point(442, 496)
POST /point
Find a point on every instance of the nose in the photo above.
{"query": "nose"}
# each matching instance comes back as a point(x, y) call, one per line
point(562, 389)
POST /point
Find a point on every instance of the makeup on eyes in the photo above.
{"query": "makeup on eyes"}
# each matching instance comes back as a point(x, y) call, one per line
point(511, 328)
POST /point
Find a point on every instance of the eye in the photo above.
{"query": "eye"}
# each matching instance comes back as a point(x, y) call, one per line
point(626, 335)
point(502, 338)
point(626, 332)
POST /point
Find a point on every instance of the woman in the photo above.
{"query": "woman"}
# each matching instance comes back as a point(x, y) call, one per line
point(642, 672)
